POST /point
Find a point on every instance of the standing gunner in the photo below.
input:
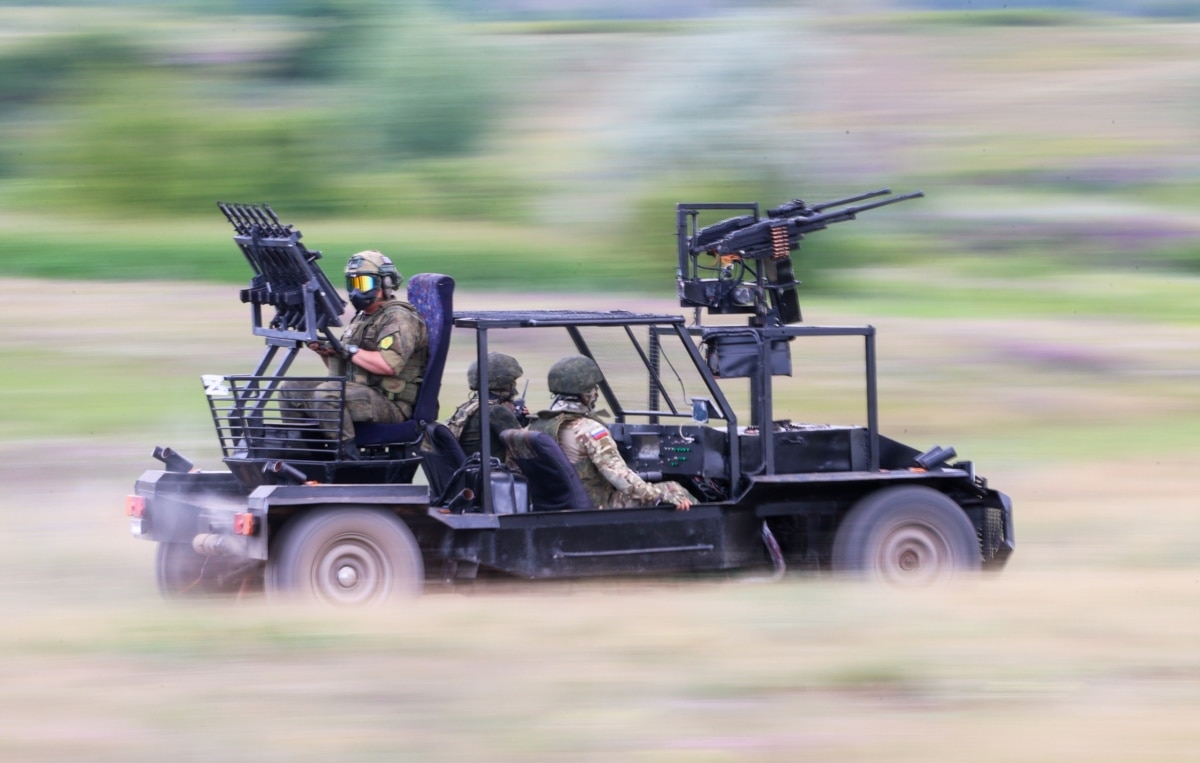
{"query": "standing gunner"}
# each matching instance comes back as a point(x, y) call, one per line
point(383, 357)
point(588, 445)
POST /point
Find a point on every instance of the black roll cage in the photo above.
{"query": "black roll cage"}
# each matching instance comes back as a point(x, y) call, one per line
point(484, 321)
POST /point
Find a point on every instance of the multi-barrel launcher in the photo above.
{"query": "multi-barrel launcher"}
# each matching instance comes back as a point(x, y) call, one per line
point(286, 278)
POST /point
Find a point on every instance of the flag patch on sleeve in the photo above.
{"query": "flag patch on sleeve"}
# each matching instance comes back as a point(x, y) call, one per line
point(599, 433)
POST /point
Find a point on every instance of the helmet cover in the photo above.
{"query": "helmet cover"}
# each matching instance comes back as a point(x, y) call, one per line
point(573, 375)
point(503, 372)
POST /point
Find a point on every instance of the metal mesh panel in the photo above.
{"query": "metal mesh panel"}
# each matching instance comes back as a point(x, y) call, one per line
point(261, 417)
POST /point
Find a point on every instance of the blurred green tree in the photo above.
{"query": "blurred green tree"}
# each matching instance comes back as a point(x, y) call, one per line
point(404, 98)
point(336, 30)
point(45, 67)
point(138, 142)
point(430, 88)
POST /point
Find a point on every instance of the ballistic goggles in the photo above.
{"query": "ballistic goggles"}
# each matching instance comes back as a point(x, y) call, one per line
point(363, 283)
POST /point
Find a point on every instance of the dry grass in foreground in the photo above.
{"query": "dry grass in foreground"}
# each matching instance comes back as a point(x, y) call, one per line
point(1084, 649)
point(1077, 666)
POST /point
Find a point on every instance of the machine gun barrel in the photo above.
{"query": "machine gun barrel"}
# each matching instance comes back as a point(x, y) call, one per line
point(851, 199)
point(841, 215)
point(248, 219)
point(766, 238)
point(798, 207)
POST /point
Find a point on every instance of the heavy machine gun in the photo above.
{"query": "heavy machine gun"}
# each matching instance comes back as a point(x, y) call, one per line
point(752, 267)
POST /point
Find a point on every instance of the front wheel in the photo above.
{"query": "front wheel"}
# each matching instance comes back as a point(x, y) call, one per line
point(345, 557)
point(909, 536)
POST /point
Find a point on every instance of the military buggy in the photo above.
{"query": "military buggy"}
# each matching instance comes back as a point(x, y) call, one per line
point(289, 514)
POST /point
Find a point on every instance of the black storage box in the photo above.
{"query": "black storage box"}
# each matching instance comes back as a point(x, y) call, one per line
point(735, 355)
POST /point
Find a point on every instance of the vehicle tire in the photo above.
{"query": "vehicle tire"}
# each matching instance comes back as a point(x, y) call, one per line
point(181, 573)
point(345, 557)
point(908, 536)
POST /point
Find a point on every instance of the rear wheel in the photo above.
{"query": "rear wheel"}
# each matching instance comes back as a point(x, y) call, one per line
point(345, 557)
point(908, 536)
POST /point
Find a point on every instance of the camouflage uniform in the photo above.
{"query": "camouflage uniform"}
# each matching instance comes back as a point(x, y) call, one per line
point(503, 372)
point(465, 425)
point(608, 480)
point(398, 333)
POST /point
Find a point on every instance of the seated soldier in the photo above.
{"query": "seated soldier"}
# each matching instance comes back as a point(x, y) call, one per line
point(503, 372)
point(610, 483)
point(384, 351)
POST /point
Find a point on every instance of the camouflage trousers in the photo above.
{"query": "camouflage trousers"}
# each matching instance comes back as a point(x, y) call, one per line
point(320, 400)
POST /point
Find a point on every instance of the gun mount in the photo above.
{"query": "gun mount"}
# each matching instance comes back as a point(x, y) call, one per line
point(286, 278)
point(752, 267)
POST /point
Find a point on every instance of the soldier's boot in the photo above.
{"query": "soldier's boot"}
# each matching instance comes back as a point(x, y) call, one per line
point(348, 450)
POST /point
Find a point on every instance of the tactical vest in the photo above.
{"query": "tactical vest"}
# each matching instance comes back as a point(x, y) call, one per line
point(458, 421)
point(404, 386)
point(599, 490)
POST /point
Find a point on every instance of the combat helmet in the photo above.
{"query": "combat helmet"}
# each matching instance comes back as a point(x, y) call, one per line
point(503, 372)
point(366, 273)
point(574, 375)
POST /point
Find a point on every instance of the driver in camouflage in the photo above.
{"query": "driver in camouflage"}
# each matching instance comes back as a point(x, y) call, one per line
point(384, 352)
point(588, 445)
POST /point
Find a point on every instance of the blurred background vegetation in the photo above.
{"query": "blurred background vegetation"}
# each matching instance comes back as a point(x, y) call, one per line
point(526, 144)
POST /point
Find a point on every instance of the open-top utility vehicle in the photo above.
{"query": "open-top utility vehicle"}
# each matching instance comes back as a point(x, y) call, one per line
point(288, 512)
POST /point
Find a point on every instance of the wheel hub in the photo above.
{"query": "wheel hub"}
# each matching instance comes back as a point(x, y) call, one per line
point(347, 576)
point(912, 555)
point(352, 570)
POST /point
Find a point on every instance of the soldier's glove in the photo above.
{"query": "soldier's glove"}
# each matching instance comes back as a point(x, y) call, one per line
point(324, 348)
point(675, 494)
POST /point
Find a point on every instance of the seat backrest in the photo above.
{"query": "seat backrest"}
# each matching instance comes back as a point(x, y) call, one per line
point(433, 296)
point(441, 457)
point(554, 485)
